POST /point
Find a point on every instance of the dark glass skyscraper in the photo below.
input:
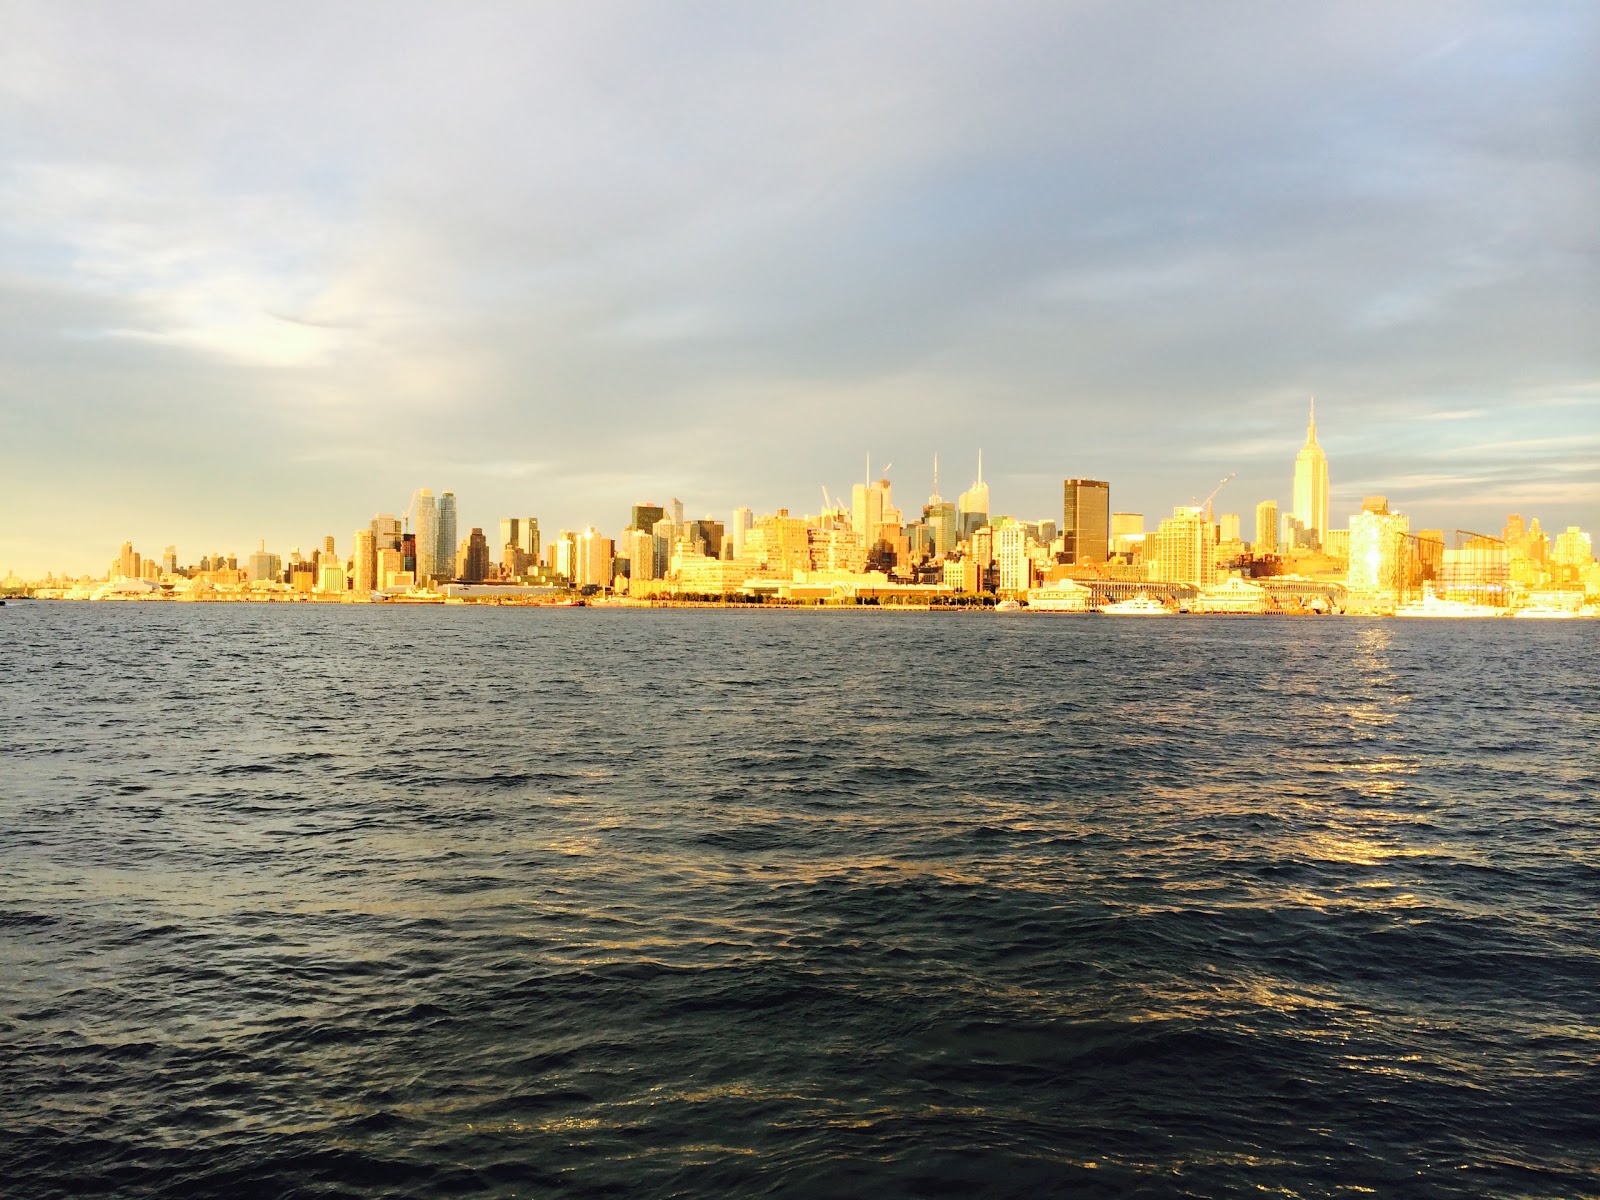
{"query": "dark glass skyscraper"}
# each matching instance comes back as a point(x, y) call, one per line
point(1086, 520)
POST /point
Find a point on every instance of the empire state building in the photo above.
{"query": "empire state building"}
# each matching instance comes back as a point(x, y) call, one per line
point(1311, 484)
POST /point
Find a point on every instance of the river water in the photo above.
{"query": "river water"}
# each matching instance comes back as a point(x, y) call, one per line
point(364, 901)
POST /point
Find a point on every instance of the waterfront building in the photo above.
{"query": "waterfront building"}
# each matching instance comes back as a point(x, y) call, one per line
point(1311, 485)
point(1379, 551)
point(1181, 549)
point(1086, 520)
point(331, 579)
point(1266, 527)
point(1233, 595)
point(427, 536)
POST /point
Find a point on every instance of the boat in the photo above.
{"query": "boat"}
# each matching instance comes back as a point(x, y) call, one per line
point(1436, 606)
point(1540, 612)
point(1139, 606)
point(1064, 595)
point(1008, 606)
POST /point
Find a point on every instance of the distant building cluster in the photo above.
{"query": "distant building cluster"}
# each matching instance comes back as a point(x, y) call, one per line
point(868, 549)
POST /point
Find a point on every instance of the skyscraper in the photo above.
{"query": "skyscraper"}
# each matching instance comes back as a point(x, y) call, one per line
point(1267, 527)
point(365, 556)
point(972, 505)
point(1086, 520)
point(472, 558)
point(427, 537)
point(386, 531)
point(445, 555)
point(743, 520)
point(1311, 485)
point(1380, 553)
point(1180, 549)
point(645, 516)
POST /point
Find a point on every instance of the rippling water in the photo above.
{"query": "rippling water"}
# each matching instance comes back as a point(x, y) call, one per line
point(367, 902)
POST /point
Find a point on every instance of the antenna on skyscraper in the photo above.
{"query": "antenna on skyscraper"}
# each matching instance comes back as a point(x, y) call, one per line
point(980, 464)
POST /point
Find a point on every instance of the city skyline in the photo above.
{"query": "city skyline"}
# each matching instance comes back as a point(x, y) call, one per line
point(257, 274)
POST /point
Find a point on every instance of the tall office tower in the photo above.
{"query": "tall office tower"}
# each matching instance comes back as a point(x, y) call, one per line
point(1430, 552)
point(1267, 527)
point(1228, 528)
point(446, 552)
point(391, 565)
point(521, 532)
point(126, 560)
point(1086, 520)
point(639, 547)
point(365, 563)
point(264, 567)
point(1573, 549)
point(169, 561)
point(710, 534)
point(1380, 553)
point(645, 516)
point(972, 506)
point(592, 557)
point(1127, 532)
point(328, 550)
point(940, 518)
point(675, 511)
point(472, 558)
point(386, 532)
point(665, 533)
point(743, 521)
point(1515, 529)
point(1311, 485)
point(1011, 557)
point(427, 537)
point(1180, 550)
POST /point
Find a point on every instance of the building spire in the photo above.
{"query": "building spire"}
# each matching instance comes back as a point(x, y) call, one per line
point(1311, 429)
point(980, 465)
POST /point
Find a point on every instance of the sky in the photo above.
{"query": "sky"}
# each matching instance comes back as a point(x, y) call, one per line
point(266, 269)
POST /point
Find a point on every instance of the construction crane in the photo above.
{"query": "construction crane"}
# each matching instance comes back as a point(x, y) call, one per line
point(1206, 503)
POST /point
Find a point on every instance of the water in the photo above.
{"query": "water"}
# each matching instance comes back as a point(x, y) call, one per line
point(305, 901)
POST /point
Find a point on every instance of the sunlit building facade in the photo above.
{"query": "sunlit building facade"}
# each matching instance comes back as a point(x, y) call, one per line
point(1086, 520)
point(1311, 486)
